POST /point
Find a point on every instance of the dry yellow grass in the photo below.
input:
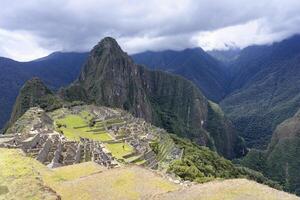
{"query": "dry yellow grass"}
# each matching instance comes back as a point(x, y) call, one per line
point(130, 182)
point(234, 189)
point(22, 178)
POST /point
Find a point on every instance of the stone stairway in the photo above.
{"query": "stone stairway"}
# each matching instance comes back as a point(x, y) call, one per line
point(151, 160)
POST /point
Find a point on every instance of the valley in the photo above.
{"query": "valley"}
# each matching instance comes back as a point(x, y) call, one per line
point(121, 118)
point(150, 100)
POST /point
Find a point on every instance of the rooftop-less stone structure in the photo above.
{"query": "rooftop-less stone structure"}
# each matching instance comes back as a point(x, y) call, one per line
point(43, 141)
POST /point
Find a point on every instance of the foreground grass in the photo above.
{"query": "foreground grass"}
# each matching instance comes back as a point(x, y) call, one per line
point(20, 177)
point(234, 189)
point(25, 178)
point(120, 183)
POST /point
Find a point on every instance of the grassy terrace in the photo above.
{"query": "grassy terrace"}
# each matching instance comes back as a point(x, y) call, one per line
point(24, 178)
point(76, 126)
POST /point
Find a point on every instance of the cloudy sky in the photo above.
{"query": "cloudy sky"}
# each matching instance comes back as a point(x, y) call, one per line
point(31, 29)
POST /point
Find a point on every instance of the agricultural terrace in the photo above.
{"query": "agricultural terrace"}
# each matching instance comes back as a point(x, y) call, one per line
point(83, 124)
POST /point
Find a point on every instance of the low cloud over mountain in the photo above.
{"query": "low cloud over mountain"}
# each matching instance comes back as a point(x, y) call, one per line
point(142, 25)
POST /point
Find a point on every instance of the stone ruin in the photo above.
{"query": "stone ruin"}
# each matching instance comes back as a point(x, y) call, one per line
point(52, 149)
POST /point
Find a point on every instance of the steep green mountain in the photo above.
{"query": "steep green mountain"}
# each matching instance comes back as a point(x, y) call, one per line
point(56, 70)
point(33, 93)
point(111, 78)
point(265, 89)
point(194, 64)
point(281, 160)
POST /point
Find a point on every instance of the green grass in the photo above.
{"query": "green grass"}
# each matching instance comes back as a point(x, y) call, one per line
point(139, 162)
point(77, 126)
point(72, 121)
point(119, 149)
point(133, 159)
point(114, 121)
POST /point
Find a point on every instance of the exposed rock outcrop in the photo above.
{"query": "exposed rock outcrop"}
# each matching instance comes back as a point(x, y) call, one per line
point(111, 78)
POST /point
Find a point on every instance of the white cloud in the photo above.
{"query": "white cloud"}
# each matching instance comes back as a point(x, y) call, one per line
point(20, 45)
point(76, 25)
point(242, 35)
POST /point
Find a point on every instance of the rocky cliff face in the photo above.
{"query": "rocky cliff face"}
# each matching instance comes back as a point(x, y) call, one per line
point(111, 78)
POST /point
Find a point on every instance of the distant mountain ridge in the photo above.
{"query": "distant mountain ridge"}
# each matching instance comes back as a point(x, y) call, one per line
point(195, 64)
point(258, 86)
point(226, 56)
point(239, 84)
point(260, 93)
point(265, 89)
point(56, 70)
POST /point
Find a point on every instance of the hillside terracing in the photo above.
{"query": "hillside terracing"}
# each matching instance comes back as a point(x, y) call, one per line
point(109, 137)
point(89, 152)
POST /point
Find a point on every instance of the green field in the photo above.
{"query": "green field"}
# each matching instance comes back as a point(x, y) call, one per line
point(119, 149)
point(75, 126)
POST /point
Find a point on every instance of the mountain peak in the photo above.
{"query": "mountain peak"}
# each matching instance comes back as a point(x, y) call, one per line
point(36, 81)
point(107, 44)
point(33, 93)
point(106, 56)
point(109, 41)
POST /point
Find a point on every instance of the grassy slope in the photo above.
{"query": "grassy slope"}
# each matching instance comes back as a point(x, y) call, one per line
point(20, 177)
point(82, 181)
point(235, 189)
point(91, 181)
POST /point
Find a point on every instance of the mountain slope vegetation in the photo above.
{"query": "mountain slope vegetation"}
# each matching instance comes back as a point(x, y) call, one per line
point(111, 78)
point(265, 89)
point(281, 160)
point(208, 74)
point(33, 93)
